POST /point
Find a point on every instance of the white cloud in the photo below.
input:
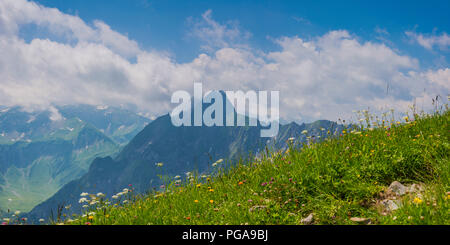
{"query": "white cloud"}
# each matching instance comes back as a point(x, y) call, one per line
point(429, 41)
point(216, 35)
point(325, 77)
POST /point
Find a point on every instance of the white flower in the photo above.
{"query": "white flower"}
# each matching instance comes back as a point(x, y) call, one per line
point(291, 139)
point(160, 164)
point(219, 161)
point(305, 131)
point(9, 200)
point(100, 194)
point(214, 164)
point(17, 212)
point(41, 220)
point(68, 206)
point(91, 213)
point(83, 194)
point(83, 199)
point(85, 206)
point(125, 190)
point(177, 177)
point(125, 201)
point(115, 196)
point(6, 219)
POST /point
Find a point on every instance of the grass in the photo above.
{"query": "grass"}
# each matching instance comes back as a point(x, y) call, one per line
point(336, 179)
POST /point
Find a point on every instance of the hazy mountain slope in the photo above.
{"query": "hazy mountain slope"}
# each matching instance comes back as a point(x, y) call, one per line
point(31, 172)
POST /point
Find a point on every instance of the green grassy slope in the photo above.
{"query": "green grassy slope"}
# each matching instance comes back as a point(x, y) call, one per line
point(341, 180)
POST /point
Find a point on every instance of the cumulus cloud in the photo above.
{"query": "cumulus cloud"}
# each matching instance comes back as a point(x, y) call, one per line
point(323, 77)
point(430, 41)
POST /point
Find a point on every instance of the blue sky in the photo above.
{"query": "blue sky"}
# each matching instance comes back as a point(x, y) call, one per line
point(164, 25)
point(326, 58)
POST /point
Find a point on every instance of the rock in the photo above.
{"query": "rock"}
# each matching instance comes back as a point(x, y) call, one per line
point(257, 207)
point(308, 220)
point(358, 220)
point(414, 188)
point(390, 205)
point(397, 188)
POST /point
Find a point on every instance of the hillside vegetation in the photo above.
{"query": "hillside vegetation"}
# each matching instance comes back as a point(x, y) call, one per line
point(344, 179)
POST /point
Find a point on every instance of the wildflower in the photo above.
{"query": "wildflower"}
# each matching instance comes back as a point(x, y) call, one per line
point(291, 139)
point(6, 219)
point(322, 129)
point(214, 164)
point(125, 190)
point(159, 164)
point(83, 199)
point(188, 218)
point(85, 206)
point(9, 200)
point(304, 131)
point(211, 201)
point(115, 196)
point(196, 201)
point(17, 212)
point(343, 131)
point(219, 161)
point(417, 200)
point(100, 194)
point(211, 190)
point(68, 207)
point(87, 223)
point(177, 177)
point(125, 201)
point(199, 185)
point(240, 183)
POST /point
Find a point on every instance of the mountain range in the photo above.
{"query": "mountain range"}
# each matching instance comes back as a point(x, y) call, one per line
point(41, 151)
point(180, 150)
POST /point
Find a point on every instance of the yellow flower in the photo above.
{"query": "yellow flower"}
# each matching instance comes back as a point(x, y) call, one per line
point(343, 131)
point(240, 183)
point(196, 201)
point(107, 216)
point(91, 217)
point(417, 200)
point(198, 185)
point(211, 190)
point(211, 201)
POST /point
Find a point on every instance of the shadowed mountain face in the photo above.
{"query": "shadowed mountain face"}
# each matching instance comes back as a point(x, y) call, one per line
point(180, 149)
point(41, 151)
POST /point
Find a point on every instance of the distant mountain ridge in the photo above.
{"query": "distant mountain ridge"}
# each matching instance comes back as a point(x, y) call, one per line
point(180, 149)
point(41, 151)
